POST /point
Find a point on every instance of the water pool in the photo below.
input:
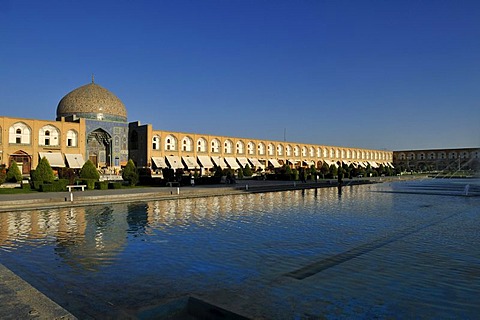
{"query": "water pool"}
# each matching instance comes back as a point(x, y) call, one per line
point(373, 251)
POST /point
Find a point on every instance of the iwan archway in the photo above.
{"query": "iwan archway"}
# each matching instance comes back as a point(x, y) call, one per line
point(99, 148)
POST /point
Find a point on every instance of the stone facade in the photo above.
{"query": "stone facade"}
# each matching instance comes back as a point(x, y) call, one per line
point(438, 159)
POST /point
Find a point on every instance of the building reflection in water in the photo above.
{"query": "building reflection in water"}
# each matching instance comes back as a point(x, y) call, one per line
point(91, 237)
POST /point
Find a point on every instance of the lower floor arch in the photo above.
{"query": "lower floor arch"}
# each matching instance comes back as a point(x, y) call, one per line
point(23, 160)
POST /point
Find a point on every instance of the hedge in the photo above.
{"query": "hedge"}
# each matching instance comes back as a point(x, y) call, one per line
point(115, 185)
point(101, 185)
point(90, 183)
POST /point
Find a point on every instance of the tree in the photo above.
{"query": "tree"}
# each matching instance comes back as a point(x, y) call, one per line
point(14, 174)
point(89, 171)
point(43, 172)
point(247, 172)
point(130, 173)
point(3, 173)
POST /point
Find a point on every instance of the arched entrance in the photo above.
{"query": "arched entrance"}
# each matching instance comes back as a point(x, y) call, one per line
point(23, 160)
point(99, 148)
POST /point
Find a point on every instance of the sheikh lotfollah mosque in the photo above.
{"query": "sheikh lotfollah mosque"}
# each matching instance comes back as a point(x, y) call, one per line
point(91, 123)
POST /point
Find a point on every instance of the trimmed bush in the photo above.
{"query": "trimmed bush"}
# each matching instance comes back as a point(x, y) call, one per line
point(43, 172)
point(89, 171)
point(101, 185)
point(130, 173)
point(47, 187)
point(114, 185)
point(14, 174)
point(90, 183)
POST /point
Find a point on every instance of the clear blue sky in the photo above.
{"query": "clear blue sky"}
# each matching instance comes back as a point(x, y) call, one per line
point(374, 74)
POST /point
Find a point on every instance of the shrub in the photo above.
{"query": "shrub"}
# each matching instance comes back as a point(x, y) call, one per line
point(14, 174)
point(47, 187)
point(43, 172)
point(247, 171)
point(114, 185)
point(101, 185)
point(240, 173)
point(90, 183)
point(130, 173)
point(89, 171)
point(3, 173)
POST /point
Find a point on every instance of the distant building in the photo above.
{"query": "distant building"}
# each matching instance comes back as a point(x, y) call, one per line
point(438, 159)
point(91, 123)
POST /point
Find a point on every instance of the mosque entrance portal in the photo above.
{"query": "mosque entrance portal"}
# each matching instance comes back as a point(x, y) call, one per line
point(99, 148)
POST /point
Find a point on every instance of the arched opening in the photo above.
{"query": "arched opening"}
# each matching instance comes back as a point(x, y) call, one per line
point(23, 160)
point(99, 148)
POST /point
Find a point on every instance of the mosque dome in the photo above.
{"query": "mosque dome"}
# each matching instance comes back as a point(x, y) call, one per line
point(92, 101)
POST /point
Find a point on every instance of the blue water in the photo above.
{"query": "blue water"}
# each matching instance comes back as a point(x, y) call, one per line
point(407, 253)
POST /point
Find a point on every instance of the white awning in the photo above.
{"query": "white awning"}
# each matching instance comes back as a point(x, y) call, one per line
point(159, 162)
point(174, 162)
point(75, 161)
point(243, 161)
point(330, 162)
point(190, 162)
point(255, 163)
point(309, 163)
point(54, 158)
point(232, 163)
point(373, 164)
point(274, 163)
point(205, 162)
point(292, 161)
point(219, 162)
point(346, 162)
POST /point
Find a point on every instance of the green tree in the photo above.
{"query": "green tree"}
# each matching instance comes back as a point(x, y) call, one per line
point(333, 170)
point(247, 171)
point(89, 171)
point(240, 173)
point(325, 170)
point(43, 172)
point(14, 174)
point(130, 173)
point(3, 173)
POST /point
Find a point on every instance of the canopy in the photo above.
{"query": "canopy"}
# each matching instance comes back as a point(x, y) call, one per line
point(255, 163)
point(190, 162)
point(54, 158)
point(232, 163)
point(75, 161)
point(274, 163)
point(174, 162)
point(219, 162)
point(205, 162)
point(243, 161)
point(159, 162)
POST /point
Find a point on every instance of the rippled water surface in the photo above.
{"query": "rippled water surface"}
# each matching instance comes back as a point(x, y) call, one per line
point(375, 251)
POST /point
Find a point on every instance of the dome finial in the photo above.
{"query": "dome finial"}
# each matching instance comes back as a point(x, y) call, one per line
point(93, 78)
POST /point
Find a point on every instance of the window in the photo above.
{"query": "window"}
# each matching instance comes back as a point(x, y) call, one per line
point(228, 147)
point(296, 151)
point(251, 148)
point(71, 138)
point(280, 150)
point(19, 133)
point(289, 151)
point(170, 143)
point(240, 147)
point(215, 146)
point(156, 143)
point(202, 145)
point(187, 144)
point(261, 148)
point(48, 136)
point(271, 149)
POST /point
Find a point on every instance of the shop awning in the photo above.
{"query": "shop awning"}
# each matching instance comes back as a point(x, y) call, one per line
point(205, 162)
point(219, 162)
point(373, 164)
point(292, 161)
point(232, 163)
point(243, 161)
point(75, 161)
point(54, 158)
point(309, 163)
point(190, 162)
point(159, 162)
point(274, 163)
point(174, 162)
point(255, 163)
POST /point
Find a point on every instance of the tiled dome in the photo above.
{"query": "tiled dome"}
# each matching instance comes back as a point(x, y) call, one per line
point(92, 101)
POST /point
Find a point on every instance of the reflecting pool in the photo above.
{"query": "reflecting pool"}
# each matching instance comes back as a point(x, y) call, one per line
point(397, 250)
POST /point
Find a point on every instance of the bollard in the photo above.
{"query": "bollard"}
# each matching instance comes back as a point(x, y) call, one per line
point(71, 196)
point(294, 184)
point(178, 190)
point(246, 187)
